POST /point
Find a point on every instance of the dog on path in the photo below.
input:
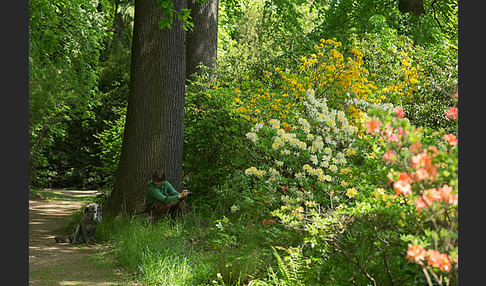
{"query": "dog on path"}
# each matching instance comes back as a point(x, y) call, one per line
point(84, 231)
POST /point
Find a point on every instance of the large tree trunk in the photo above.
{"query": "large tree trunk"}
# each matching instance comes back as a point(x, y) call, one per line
point(153, 136)
point(202, 42)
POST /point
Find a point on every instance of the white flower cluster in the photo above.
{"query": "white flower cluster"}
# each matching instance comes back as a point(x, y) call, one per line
point(252, 135)
point(364, 105)
point(332, 121)
point(321, 177)
point(312, 143)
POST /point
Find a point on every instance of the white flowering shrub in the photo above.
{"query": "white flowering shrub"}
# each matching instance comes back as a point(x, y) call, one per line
point(307, 155)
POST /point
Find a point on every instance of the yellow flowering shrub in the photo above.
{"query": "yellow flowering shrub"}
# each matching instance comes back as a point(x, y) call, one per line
point(342, 80)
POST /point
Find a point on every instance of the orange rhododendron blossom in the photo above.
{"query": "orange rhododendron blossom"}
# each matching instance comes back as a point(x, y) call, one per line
point(438, 260)
point(416, 253)
point(432, 151)
point(372, 126)
point(399, 112)
point(451, 138)
point(452, 113)
point(406, 177)
point(402, 186)
point(415, 147)
point(421, 174)
point(445, 193)
point(266, 222)
point(434, 194)
point(421, 203)
point(421, 160)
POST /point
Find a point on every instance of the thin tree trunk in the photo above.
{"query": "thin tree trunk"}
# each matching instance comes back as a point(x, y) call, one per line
point(153, 136)
point(202, 42)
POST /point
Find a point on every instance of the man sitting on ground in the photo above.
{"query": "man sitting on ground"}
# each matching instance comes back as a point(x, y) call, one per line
point(162, 198)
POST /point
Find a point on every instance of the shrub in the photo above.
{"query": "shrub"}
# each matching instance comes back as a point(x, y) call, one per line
point(315, 161)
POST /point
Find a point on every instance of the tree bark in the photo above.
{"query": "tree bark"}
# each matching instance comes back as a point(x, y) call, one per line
point(153, 135)
point(414, 6)
point(202, 42)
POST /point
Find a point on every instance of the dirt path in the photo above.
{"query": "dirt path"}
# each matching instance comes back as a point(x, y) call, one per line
point(52, 263)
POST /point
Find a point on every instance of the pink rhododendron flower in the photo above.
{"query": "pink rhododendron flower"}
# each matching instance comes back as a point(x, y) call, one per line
point(452, 113)
point(390, 135)
point(389, 157)
point(399, 112)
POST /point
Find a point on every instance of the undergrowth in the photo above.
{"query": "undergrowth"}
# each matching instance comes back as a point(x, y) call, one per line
point(189, 251)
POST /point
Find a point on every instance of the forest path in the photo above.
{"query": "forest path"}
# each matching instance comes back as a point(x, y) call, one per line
point(52, 263)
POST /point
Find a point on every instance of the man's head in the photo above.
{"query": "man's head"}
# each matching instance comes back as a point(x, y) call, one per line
point(158, 178)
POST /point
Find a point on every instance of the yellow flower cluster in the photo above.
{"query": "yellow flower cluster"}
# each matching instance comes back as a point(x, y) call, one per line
point(406, 82)
point(329, 69)
point(351, 192)
point(263, 104)
point(255, 172)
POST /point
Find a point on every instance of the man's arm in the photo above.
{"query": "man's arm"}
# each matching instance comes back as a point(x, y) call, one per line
point(160, 197)
point(171, 191)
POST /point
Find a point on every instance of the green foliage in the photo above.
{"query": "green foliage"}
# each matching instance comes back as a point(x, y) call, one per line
point(343, 18)
point(183, 15)
point(110, 141)
point(212, 137)
point(65, 40)
point(277, 144)
point(79, 74)
point(434, 70)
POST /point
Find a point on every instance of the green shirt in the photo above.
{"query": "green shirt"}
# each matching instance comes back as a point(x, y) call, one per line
point(166, 193)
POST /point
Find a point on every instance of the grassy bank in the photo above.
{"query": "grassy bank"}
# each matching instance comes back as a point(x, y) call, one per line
point(190, 251)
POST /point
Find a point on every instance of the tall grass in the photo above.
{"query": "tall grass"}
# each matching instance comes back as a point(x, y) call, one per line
point(181, 252)
point(162, 253)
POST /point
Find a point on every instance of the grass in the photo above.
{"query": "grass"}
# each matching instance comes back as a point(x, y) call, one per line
point(182, 252)
point(189, 251)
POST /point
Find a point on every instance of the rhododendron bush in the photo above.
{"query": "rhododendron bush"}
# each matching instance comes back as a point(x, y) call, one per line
point(327, 163)
point(424, 175)
point(355, 178)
